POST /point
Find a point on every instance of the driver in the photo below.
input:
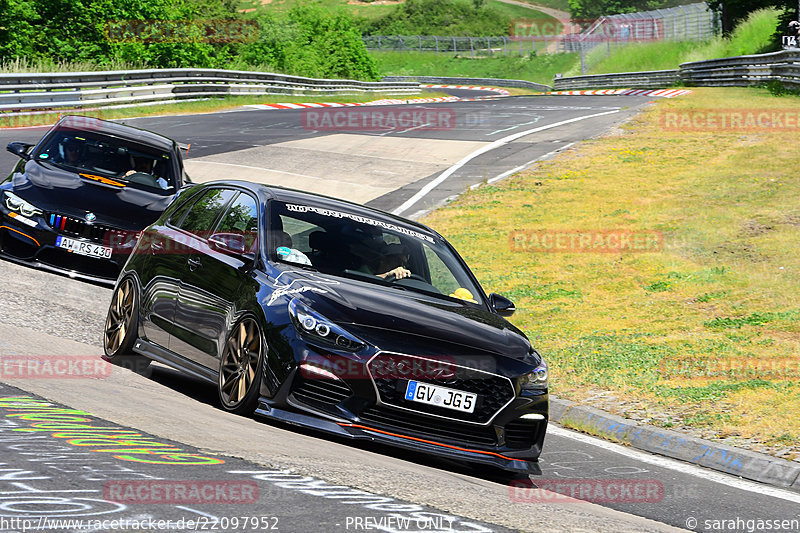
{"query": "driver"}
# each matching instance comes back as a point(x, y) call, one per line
point(72, 152)
point(141, 164)
point(145, 165)
point(378, 259)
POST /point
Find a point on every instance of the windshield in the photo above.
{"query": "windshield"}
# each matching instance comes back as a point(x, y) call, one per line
point(357, 247)
point(98, 156)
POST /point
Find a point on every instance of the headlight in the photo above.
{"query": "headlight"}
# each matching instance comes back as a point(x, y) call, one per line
point(317, 327)
point(18, 205)
point(536, 379)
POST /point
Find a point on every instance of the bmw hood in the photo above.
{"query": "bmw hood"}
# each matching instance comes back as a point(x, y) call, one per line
point(383, 315)
point(55, 190)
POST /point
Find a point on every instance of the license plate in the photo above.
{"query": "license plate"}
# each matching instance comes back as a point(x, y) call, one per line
point(441, 396)
point(83, 247)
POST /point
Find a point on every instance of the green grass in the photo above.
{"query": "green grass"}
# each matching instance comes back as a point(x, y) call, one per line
point(561, 5)
point(372, 11)
point(519, 12)
point(540, 69)
point(751, 37)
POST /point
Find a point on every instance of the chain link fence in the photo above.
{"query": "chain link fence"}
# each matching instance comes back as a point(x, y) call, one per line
point(692, 22)
point(463, 46)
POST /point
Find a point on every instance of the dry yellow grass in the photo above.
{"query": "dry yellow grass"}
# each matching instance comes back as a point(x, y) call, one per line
point(703, 333)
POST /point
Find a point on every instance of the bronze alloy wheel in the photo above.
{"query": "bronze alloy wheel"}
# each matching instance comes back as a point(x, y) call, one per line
point(119, 321)
point(239, 368)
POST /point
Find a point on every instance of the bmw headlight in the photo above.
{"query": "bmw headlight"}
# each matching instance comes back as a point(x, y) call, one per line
point(318, 328)
point(18, 205)
point(536, 379)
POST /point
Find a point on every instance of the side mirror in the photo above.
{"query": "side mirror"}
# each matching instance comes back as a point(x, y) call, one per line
point(20, 149)
point(502, 305)
point(228, 243)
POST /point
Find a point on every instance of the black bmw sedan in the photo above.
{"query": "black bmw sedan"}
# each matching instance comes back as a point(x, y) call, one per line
point(77, 200)
point(330, 315)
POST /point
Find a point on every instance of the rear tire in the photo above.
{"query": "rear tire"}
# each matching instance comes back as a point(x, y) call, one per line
point(121, 328)
point(239, 381)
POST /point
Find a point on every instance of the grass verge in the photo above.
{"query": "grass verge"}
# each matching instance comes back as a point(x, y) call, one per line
point(752, 36)
point(203, 106)
point(540, 69)
point(703, 334)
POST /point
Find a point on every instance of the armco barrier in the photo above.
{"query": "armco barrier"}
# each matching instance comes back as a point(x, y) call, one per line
point(740, 71)
point(30, 92)
point(494, 82)
point(653, 79)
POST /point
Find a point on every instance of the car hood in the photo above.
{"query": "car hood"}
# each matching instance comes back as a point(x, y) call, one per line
point(55, 190)
point(384, 315)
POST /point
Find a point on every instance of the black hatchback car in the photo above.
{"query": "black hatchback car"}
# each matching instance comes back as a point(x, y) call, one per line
point(330, 315)
point(77, 200)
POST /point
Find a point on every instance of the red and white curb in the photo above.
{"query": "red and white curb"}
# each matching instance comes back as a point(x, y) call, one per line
point(664, 93)
point(469, 88)
point(387, 101)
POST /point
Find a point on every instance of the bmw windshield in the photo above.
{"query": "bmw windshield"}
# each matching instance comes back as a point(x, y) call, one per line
point(109, 159)
point(370, 250)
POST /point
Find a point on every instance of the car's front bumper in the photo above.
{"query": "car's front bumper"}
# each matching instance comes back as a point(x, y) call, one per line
point(352, 430)
point(32, 242)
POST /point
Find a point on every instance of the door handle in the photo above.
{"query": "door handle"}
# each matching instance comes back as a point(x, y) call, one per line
point(156, 247)
point(194, 263)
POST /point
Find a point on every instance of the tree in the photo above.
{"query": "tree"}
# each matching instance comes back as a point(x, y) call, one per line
point(734, 11)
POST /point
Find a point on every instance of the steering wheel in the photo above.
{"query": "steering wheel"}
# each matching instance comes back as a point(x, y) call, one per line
point(143, 178)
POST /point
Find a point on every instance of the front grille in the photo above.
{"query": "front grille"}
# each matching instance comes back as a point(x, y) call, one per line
point(522, 434)
point(439, 430)
point(95, 232)
point(311, 390)
point(92, 266)
point(493, 391)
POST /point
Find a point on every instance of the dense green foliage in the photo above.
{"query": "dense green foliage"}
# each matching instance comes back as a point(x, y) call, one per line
point(307, 41)
point(441, 17)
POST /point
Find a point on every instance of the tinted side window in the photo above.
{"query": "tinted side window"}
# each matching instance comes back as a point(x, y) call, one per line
point(241, 219)
point(205, 211)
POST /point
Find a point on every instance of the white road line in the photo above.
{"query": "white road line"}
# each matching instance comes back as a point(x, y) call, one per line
point(524, 166)
point(491, 146)
point(201, 513)
point(516, 126)
point(678, 466)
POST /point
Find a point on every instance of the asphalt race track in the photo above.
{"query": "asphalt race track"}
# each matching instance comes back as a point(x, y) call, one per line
point(274, 477)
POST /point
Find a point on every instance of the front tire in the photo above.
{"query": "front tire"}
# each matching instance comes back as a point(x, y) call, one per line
point(121, 327)
point(240, 368)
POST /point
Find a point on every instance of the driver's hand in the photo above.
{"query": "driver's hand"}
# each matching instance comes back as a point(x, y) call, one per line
point(128, 173)
point(399, 273)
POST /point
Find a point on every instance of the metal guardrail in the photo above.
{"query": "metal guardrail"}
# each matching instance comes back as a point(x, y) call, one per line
point(496, 82)
point(629, 80)
point(740, 71)
point(31, 92)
